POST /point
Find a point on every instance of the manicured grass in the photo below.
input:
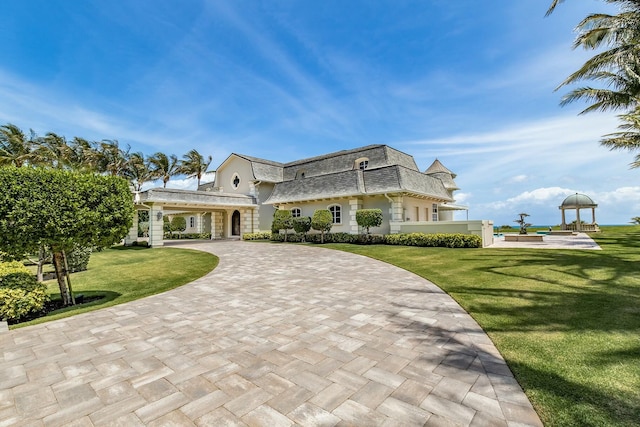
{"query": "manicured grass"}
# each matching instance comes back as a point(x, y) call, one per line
point(566, 321)
point(124, 274)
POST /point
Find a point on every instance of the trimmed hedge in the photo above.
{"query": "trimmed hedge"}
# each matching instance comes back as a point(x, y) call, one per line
point(176, 236)
point(435, 240)
point(261, 235)
point(20, 293)
point(407, 239)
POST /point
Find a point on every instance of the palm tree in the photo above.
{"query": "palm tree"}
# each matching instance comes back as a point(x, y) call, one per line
point(15, 148)
point(617, 67)
point(194, 165)
point(139, 171)
point(164, 166)
point(82, 155)
point(111, 158)
point(52, 151)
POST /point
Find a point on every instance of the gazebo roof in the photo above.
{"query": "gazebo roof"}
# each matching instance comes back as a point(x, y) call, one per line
point(578, 201)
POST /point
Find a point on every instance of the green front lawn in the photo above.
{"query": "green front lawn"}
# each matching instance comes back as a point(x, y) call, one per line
point(566, 321)
point(124, 274)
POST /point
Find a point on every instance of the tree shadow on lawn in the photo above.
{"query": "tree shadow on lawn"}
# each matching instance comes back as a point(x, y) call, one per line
point(562, 291)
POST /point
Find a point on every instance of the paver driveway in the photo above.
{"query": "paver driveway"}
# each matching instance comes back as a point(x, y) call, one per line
point(276, 335)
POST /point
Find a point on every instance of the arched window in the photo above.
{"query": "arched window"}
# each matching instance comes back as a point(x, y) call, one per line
point(336, 212)
point(361, 163)
point(296, 212)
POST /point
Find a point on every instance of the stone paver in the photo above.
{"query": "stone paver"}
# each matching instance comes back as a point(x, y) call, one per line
point(275, 335)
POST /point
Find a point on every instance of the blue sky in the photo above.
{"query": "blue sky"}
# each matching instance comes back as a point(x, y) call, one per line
point(469, 82)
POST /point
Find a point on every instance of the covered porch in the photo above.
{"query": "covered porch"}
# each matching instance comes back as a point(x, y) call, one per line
point(220, 215)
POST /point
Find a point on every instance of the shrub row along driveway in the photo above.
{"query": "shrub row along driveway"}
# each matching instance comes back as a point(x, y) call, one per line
point(275, 335)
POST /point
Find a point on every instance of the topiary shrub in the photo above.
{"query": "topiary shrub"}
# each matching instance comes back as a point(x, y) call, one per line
point(322, 221)
point(368, 218)
point(302, 225)
point(20, 293)
point(282, 220)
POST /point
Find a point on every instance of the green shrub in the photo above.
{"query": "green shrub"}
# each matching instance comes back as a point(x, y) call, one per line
point(78, 259)
point(143, 229)
point(302, 225)
point(179, 224)
point(368, 218)
point(435, 240)
point(20, 293)
point(282, 220)
point(261, 235)
point(322, 221)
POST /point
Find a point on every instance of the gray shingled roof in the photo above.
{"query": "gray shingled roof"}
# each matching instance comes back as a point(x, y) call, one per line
point(264, 170)
point(389, 179)
point(438, 167)
point(341, 184)
point(340, 161)
point(401, 179)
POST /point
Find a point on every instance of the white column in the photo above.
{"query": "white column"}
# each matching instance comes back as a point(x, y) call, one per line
point(396, 214)
point(246, 221)
point(132, 236)
point(354, 205)
point(156, 232)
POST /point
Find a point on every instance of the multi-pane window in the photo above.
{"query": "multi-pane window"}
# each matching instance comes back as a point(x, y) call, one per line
point(363, 165)
point(295, 212)
point(335, 212)
point(434, 212)
point(192, 221)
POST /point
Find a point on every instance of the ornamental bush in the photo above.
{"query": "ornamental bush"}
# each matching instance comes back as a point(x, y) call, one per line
point(78, 259)
point(282, 220)
point(179, 224)
point(368, 218)
point(456, 240)
point(20, 293)
point(302, 225)
point(322, 221)
point(261, 235)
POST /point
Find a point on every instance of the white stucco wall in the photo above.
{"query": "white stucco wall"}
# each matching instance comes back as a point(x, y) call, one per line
point(224, 176)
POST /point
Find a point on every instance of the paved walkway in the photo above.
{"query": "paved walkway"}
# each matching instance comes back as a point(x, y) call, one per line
point(578, 241)
point(277, 335)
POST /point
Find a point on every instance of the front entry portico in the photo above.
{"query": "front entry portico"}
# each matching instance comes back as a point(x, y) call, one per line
point(227, 212)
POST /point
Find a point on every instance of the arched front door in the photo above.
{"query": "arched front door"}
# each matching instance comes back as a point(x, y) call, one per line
point(235, 223)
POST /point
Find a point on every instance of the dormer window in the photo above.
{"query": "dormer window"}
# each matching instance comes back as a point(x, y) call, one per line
point(300, 174)
point(361, 163)
point(235, 181)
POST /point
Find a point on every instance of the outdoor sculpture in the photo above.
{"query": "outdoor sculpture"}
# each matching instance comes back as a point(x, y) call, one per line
point(523, 223)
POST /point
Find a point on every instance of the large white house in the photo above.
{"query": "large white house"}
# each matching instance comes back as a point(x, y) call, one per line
point(247, 191)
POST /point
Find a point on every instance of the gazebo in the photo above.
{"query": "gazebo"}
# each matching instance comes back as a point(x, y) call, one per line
point(577, 202)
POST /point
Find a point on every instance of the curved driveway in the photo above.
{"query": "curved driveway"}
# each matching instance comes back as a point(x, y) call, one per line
point(275, 335)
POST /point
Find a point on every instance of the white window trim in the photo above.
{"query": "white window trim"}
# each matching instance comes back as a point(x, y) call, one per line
point(332, 215)
point(295, 207)
point(357, 163)
point(233, 178)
